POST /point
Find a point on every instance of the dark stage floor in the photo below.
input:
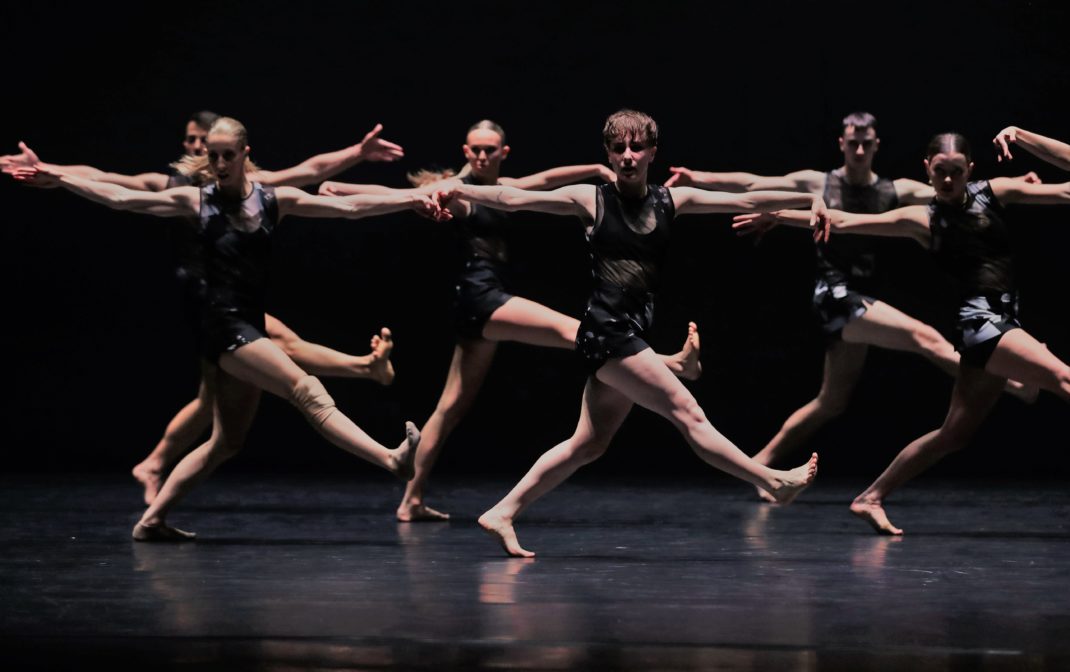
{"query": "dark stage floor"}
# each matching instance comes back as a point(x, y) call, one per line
point(305, 572)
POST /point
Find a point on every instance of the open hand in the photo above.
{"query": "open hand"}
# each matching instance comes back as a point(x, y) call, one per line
point(26, 158)
point(374, 148)
point(681, 177)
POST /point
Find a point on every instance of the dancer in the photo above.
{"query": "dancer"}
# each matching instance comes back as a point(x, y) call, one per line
point(851, 319)
point(628, 225)
point(966, 229)
point(191, 422)
point(236, 217)
point(486, 312)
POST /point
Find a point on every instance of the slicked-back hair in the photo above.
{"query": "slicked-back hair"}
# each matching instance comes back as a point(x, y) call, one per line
point(949, 143)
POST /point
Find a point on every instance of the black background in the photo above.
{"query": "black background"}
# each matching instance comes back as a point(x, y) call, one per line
point(98, 358)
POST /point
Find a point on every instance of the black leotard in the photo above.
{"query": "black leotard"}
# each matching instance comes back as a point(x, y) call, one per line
point(629, 243)
point(236, 238)
point(972, 242)
point(846, 264)
point(481, 285)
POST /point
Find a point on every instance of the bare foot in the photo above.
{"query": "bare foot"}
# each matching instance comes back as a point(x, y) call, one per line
point(1026, 393)
point(502, 529)
point(150, 478)
point(795, 481)
point(766, 496)
point(161, 532)
point(380, 369)
point(410, 512)
point(404, 456)
point(873, 513)
point(685, 364)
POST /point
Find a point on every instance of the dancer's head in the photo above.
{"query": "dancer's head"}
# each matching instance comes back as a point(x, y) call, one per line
point(631, 141)
point(226, 160)
point(485, 149)
point(859, 141)
point(949, 163)
point(195, 141)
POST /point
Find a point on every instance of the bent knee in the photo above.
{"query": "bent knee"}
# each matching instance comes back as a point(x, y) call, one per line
point(927, 339)
point(590, 449)
point(311, 398)
point(830, 406)
point(688, 413)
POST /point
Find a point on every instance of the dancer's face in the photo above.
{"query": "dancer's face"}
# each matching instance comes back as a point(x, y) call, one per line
point(226, 159)
point(630, 158)
point(484, 151)
point(195, 141)
point(859, 146)
point(949, 173)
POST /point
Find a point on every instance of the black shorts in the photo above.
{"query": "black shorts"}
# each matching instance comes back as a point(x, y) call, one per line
point(836, 304)
point(982, 322)
point(614, 325)
point(480, 292)
point(225, 329)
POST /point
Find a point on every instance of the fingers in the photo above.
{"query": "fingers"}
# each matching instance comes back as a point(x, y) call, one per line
point(374, 133)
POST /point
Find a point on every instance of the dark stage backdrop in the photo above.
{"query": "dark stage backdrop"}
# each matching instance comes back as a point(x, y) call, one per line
point(98, 358)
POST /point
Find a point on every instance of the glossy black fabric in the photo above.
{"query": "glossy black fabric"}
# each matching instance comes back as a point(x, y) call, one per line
point(483, 231)
point(480, 291)
point(629, 242)
point(237, 245)
point(972, 242)
point(846, 264)
point(982, 321)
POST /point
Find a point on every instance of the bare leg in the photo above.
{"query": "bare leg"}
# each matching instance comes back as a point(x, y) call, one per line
point(234, 406)
point(1028, 360)
point(468, 370)
point(887, 327)
point(601, 414)
point(264, 365)
point(975, 393)
point(320, 360)
point(186, 427)
point(646, 381)
point(843, 366)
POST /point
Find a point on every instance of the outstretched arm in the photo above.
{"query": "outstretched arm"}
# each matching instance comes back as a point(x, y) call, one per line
point(1047, 149)
point(560, 176)
point(697, 201)
point(909, 222)
point(1014, 190)
point(177, 202)
point(293, 201)
point(322, 166)
point(808, 181)
point(27, 158)
point(577, 199)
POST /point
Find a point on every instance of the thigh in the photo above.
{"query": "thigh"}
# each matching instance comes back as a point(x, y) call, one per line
point(276, 330)
point(645, 380)
point(528, 322)
point(973, 397)
point(603, 411)
point(844, 362)
point(1020, 356)
point(263, 364)
point(471, 362)
point(884, 326)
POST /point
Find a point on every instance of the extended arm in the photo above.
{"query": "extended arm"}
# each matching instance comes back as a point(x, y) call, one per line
point(293, 201)
point(909, 222)
point(560, 176)
point(697, 201)
point(808, 181)
point(27, 158)
point(177, 202)
point(1013, 190)
point(322, 166)
point(1047, 149)
point(576, 200)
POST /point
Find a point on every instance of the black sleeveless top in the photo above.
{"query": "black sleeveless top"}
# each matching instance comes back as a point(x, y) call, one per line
point(482, 231)
point(630, 237)
point(972, 242)
point(236, 236)
point(851, 258)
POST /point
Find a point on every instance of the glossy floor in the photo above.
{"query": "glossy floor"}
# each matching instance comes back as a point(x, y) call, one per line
point(307, 572)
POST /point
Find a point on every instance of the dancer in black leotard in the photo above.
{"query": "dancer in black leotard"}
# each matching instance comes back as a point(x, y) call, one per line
point(486, 311)
point(191, 422)
point(966, 229)
point(628, 224)
point(236, 217)
point(851, 319)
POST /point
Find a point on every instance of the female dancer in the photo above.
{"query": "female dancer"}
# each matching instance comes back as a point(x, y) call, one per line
point(966, 229)
point(628, 223)
point(236, 217)
point(851, 319)
point(486, 312)
point(191, 422)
